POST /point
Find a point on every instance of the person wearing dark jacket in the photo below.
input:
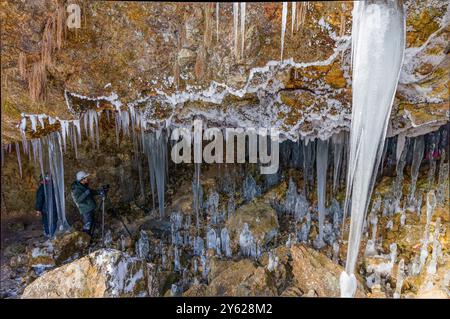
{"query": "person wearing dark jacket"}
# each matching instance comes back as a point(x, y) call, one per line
point(46, 205)
point(83, 196)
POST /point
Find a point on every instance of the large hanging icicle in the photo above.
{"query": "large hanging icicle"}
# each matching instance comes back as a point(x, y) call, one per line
point(156, 148)
point(56, 165)
point(378, 34)
point(283, 26)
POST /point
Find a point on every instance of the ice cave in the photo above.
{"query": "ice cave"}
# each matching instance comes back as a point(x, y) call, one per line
point(165, 149)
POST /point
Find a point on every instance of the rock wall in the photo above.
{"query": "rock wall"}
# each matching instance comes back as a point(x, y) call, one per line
point(168, 59)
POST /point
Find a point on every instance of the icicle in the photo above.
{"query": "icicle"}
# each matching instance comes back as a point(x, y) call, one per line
point(117, 126)
point(308, 166)
point(400, 145)
point(443, 181)
point(294, 9)
point(242, 28)
point(23, 124)
point(19, 161)
point(383, 158)
point(41, 120)
point(342, 26)
point(301, 14)
point(217, 21)
point(419, 146)
point(283, 27)
point(235, 27)
point(432, 170)
point(378, 44)
point(33, 123)
point(64, 132)
point(321, 163)
point(76, 123)
point(56, 165)
point(198, 195)
point(75, 142)
point(156, 148)
point(338, 143)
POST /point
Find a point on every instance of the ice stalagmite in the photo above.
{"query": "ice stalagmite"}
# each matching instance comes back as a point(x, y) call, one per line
point(378, 43)
point(283, 26)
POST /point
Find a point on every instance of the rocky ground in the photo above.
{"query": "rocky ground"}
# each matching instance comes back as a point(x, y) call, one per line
point(72, 266)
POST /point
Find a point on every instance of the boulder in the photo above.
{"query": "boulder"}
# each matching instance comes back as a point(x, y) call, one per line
point(240, 278)
point(70, 246)
point(261, 219)
point(312, 273)
point(104, 273)
point(62, 249)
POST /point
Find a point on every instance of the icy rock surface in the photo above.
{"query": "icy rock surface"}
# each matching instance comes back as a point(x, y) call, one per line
point(104, 273)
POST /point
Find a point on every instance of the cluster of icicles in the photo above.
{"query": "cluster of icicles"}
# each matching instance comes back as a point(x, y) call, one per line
point(239, 15)
point(47, 151)
point(320, 161)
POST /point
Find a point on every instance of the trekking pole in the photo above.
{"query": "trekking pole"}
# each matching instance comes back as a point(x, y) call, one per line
point(103, 219)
